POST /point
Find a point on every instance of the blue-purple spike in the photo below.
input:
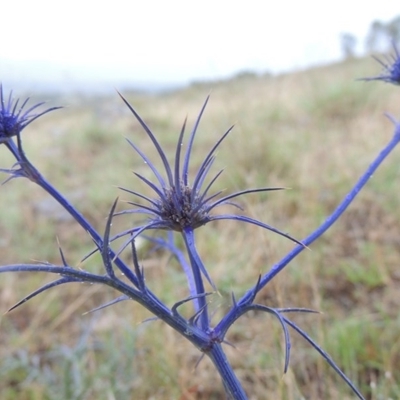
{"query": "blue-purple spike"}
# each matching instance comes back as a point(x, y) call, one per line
point(153, 139)
point(391, 69)
point(151, 201)
point(326, 357)
point(110, 303)
point(150, 164)
point(259, 307)
point(58, 282)
point(185, 170)
point(214, 148)
point(241, 193)
point(252, 221)
point(178, 180)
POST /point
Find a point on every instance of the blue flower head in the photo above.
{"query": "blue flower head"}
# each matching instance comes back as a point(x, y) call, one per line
point(391, 68)
point(181, 205)
point(14, 119)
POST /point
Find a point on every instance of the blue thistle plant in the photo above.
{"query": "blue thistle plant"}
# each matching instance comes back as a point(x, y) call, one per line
point(391, 68)
point(183, 206)
point(14, 119)
point(178, 206)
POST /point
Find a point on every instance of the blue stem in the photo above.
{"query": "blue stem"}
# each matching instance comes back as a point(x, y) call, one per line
point(200, 339)
point(199, 336)
point(34, 175)
point(197, 266)
point(187, 269)
point(229, 379)
point(227, 319)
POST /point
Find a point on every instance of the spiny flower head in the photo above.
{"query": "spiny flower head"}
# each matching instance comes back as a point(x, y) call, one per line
point(181, 208)
point(14, 119)
point(391, 68)
point(180, 205)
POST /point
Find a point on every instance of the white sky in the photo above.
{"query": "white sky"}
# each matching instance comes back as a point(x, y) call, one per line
point(175, 40)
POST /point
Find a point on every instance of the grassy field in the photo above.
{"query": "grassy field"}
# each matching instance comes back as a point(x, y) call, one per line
point(314, 132)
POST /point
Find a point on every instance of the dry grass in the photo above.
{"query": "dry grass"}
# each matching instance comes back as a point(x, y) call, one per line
point(315, 132)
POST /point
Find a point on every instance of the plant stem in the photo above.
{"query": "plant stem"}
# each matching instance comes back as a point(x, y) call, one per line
point(229, 379)
point(197, 266)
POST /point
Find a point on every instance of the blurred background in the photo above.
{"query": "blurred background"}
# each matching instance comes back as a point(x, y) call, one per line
point(285, 74)
point(92, 46)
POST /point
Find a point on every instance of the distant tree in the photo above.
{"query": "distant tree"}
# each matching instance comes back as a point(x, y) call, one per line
point(245, 73)
point(377, 37)
point(393, 28)
point(382, 34)
point(348, 43)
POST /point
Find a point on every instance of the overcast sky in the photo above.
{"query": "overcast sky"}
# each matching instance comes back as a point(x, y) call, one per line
point(175, 41)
